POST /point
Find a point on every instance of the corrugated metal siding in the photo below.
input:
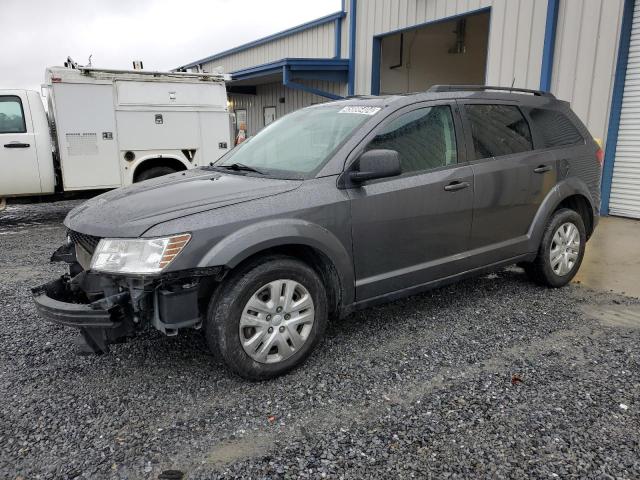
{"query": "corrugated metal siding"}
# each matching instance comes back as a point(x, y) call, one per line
point(515, 38)
point(585, 51)
point(317, 42)
point(268, 96)
point(585, 56)
point(625, 187)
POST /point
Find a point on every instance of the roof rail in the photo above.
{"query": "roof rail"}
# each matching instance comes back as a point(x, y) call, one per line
point(458, 88)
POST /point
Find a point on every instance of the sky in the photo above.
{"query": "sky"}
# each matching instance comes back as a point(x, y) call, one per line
point(164, 34)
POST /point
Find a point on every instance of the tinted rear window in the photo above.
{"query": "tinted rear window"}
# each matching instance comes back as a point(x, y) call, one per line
point(555, 128)
point(498, 130)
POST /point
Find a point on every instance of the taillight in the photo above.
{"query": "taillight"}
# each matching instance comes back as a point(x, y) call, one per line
point(600, 156)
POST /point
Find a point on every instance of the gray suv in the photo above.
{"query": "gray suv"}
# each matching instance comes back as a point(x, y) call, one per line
point(332, 208)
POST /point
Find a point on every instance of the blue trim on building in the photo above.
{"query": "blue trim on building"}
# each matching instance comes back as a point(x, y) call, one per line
point(329, 69)
point(315, 65)
point(285, 33)
point(375, 65)
point(549, 45)
point(289, 83)
point(616, 105)
point(352, 46)
point(377, 43)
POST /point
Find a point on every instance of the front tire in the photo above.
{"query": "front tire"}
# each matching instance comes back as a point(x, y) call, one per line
point(561, 250)
point(267, 317)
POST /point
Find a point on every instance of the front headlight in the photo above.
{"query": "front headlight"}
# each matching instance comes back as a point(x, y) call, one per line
point(137, 255)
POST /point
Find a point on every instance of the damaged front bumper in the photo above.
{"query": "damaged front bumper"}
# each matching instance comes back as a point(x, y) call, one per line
point(108, 309)
point(101, 322)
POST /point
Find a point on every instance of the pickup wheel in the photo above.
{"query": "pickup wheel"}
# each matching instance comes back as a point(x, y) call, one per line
point(267, 318)
point(154, 172)
point(561, 250)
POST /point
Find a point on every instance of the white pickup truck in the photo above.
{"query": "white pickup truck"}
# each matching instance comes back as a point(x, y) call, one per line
point(109, 128)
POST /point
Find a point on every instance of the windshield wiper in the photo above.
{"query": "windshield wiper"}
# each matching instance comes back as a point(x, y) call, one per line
point(241, 167)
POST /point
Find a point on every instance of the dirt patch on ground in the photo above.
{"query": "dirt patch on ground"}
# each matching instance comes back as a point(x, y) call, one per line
point(624, 316)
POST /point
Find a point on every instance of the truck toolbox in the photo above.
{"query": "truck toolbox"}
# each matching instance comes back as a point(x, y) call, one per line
point(109, 128)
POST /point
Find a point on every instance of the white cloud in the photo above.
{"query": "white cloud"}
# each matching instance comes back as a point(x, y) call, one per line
point(162, 33)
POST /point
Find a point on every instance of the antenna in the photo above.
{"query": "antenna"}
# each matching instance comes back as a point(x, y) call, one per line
point(513, 82)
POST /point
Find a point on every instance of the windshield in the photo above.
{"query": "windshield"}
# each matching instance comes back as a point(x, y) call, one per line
point(297, 145)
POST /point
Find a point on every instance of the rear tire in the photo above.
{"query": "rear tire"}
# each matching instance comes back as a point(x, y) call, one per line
point(154, 172)
point(561, 250)
point(253, 328)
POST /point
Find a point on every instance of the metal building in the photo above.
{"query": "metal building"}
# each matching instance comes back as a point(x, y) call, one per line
point(584, 51)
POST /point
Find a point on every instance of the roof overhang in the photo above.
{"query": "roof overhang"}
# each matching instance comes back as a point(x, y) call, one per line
point(287, 70)
point(332, 69)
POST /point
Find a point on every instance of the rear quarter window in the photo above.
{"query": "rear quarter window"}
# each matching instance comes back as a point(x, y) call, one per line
point(555, 128)
point(498, 130)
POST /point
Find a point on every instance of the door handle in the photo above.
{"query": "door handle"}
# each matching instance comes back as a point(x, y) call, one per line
point(457, 185)
point(16, 145)
point(542, 169)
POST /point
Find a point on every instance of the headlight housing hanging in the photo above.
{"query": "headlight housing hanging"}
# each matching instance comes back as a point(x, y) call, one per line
point(144, 256)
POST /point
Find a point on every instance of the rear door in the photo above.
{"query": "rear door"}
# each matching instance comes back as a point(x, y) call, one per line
point(511, 179)
point(18, 154)
point(410, 229)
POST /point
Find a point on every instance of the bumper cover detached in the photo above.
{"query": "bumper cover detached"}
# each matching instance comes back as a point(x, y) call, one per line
point(101, 322)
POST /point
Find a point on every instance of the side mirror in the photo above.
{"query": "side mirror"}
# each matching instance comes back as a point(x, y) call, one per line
point(376, 164)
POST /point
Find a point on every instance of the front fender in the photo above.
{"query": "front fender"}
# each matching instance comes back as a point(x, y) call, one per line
point(564, 189)
point(241, 244)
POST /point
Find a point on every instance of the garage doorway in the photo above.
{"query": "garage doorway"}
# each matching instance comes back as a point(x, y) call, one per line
point(444, 52)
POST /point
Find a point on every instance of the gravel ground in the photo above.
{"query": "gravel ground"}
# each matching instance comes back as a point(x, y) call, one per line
point(489, 378)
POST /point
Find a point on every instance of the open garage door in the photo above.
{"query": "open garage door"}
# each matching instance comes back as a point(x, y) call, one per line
point(446, 52)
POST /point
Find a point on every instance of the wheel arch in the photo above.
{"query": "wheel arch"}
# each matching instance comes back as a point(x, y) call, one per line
point(580, 204)
point(145, 163)
point(307, 242)
point(570, 193)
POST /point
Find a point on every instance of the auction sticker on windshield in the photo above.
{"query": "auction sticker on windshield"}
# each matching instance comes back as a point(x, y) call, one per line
point(360, 110)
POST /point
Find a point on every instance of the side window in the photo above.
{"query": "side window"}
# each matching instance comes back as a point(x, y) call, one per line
point(424, 138)
point(498, 130)
point(555, 128)
point(11, 115)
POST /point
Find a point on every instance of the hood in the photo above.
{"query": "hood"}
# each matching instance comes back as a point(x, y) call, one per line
point(130, 211)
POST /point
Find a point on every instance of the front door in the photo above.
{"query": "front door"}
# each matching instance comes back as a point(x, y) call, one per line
point(18, 154)
point(511, 180)
point(408, 230)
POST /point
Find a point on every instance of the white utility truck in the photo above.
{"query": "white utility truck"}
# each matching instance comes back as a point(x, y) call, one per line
point(109, 128)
